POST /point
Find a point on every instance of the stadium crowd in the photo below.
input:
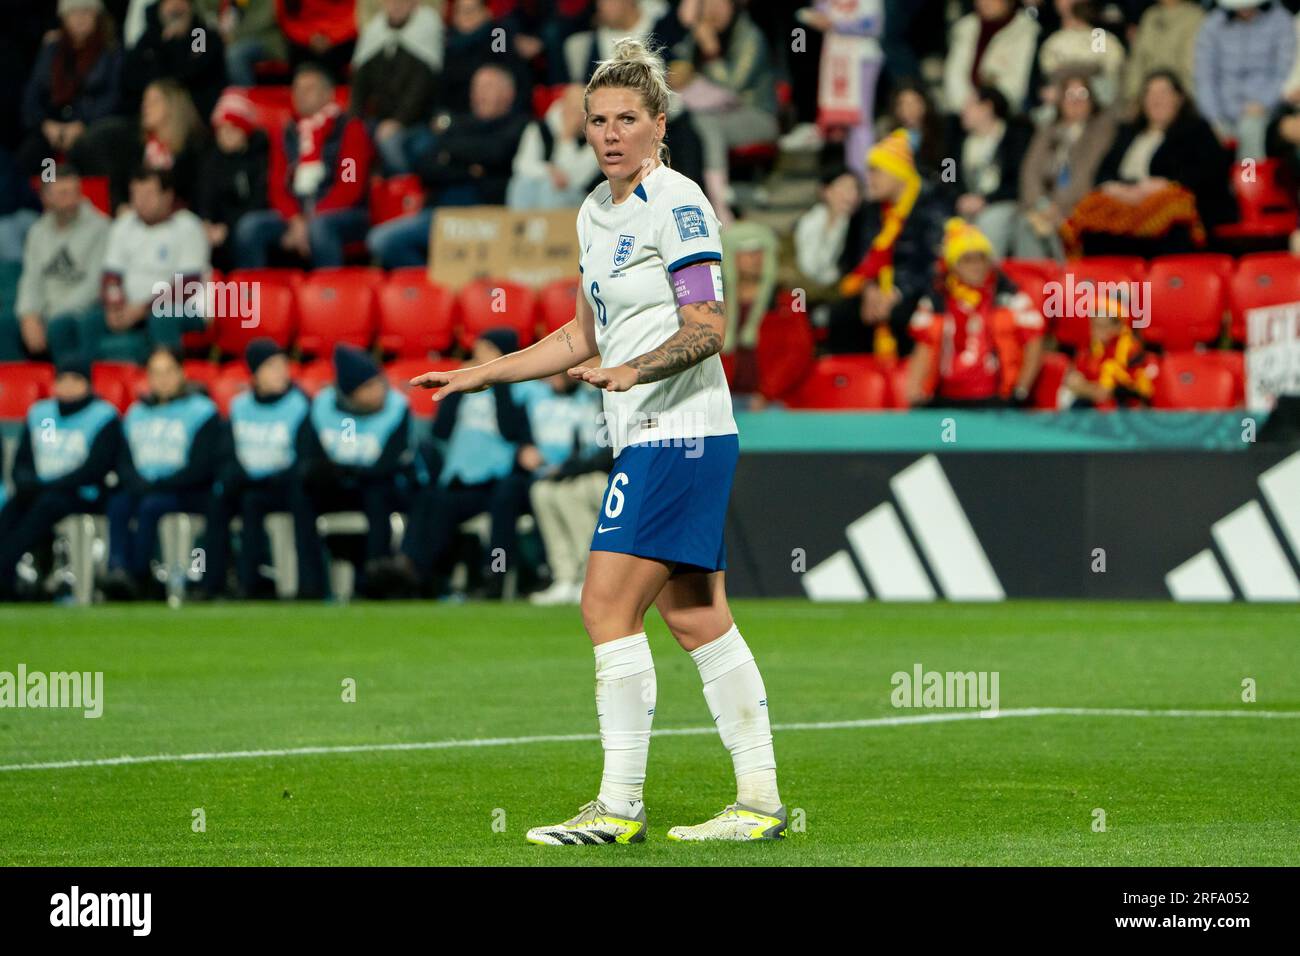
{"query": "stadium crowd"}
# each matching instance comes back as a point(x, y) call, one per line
point(957, 179)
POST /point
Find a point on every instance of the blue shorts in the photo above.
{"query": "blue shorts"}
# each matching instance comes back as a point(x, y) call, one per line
point(670, 503)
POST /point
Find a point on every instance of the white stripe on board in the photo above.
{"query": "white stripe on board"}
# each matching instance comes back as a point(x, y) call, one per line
point(951, 548)
point(835, 579)
point(893, 568)
point(1281, 487)
point(937, 717)
point(1255, 556)
point(1199, 578)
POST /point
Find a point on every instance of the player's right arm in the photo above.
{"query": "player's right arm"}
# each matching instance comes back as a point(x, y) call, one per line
point(571, 344)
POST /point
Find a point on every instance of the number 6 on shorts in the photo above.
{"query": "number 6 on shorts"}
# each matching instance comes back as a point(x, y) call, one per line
point(614, 501)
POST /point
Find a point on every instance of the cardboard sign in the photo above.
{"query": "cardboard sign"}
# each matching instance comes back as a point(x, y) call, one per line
point(1272, 354)
point(530, 247)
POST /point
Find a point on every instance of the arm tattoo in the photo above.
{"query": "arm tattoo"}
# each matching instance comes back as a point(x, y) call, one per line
point(564, 334)
point(695, 341)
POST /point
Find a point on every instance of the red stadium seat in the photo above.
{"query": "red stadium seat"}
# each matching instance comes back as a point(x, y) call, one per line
point(286, 277)
point(401, 372)
point(1031, 275)
point(272, 314)
point(415, 315)
point(394, 197)
point(232, 380)
point(1190, 380)
point(119, 383)
point(1266, 206)
point(337, 305)
point(1185, 307)
point(1234, 360)
point(17, 395)
point(1050, 376)
point(784, 352)
point(42, 373)
point(486, 304)
point(1263, 279)
point(841, 382)
point(1132, 268)
point(201, 372)
point(544, 97)
point(896, 376)
point(95, 188)
point(1218, 262)
point(313, 376)
point(558, 303)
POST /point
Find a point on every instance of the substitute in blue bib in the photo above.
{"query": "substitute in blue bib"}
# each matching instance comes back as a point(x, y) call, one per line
point(260, 476)
point(357, 454)
point(173, 444)
point(70, 443)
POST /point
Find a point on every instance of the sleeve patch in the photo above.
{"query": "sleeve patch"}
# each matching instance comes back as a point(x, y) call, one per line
point(691, 223)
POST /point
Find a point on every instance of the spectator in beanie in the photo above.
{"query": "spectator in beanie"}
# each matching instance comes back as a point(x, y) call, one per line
point(1114, 369)
point(267, 426)
point(75, 83)
point(69, 444)
point(979, 339)
point(177, 45)
point(62, 259)
point(357, 454)
point(234, 179)
point(174, 442)
point(395, 76)
point(902, 231)
point(317, 183)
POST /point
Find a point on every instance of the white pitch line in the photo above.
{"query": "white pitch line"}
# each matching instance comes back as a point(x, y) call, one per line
point(901, 720)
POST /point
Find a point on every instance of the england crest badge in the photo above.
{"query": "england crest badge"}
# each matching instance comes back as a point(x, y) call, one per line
point(623, 251)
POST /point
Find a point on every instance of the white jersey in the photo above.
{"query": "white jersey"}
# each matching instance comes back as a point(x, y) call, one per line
point(629, 250)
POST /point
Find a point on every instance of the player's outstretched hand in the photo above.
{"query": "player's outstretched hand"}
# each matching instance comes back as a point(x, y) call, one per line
point(617, 378)
point(453, 380)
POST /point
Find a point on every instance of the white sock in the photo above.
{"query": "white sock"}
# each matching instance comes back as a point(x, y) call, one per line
point(733, 689)
point(625, 706)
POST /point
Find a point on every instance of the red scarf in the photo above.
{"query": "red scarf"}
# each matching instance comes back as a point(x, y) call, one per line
point(157, 154)
point(314, 130)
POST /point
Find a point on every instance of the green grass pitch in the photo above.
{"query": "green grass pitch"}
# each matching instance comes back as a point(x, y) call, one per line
point(1014, 790)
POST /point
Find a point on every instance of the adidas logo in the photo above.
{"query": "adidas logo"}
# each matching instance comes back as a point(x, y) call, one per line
point(1249, 546)
point(879, 540)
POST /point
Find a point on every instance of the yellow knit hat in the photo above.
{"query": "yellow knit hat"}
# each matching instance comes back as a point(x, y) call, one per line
point(960, 238)
point(893, 154)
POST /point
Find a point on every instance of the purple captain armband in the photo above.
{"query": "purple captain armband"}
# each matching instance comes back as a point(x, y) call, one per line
point(701, 282)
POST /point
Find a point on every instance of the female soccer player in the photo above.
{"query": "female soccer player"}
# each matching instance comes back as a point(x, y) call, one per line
point(651, 311)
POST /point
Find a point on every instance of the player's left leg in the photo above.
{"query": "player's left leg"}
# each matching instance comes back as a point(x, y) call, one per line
point(694, 606)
